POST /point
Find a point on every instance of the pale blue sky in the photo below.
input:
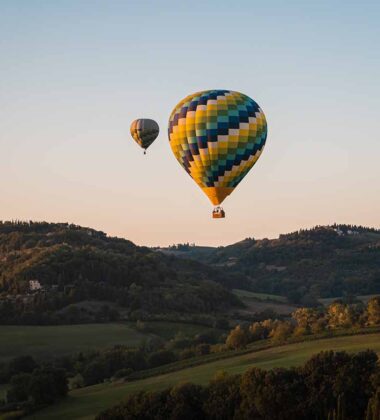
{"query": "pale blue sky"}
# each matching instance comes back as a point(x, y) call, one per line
point(74, 74)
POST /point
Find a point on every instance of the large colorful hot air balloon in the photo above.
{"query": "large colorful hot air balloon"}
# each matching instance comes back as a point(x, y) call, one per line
point(144, 131)
point(217, 136)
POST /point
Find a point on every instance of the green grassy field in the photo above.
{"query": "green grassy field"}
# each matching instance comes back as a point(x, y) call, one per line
point(260, 296)
point(44, 342)
point(85, 403)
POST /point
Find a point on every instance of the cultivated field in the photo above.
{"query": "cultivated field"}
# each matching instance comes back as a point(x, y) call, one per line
point(87, 402)
point(260, 302)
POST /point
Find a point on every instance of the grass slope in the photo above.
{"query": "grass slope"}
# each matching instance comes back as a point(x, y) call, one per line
point(87, 402)
point(44, 342)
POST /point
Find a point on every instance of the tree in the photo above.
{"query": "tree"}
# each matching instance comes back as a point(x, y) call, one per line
point(141, 405)
point(268, 325)
point(185, 402)
point(281, 331)
point(19, 387)
point(202, 349)
point(338, 413)
point(340, 315)
point(257, 331)
point(186, 354)
point(237, 338)
point(328, 375)
point(305, 317)
point(319, 325)
point(373, 408)
point(161, 357)
point(373, 311)
point(222, 397)
point(94, 372)
point(22, 364)
point(180, 341)
point(43, 386)
point(47, 385)
point(275, 394)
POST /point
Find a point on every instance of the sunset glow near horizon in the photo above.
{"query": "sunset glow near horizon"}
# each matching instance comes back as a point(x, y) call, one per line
point(75, 74)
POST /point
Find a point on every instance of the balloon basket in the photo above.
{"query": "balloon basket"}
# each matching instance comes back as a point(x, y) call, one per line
point(218, 213)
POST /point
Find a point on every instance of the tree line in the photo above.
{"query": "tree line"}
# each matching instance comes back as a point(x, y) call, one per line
point(308, 321)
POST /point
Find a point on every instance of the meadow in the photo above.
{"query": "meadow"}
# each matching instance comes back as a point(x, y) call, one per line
point(85, 403)
point(259, 296)
point(45, 342)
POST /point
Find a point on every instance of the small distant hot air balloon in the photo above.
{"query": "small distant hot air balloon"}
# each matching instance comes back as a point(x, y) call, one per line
point(144, 131)
point(217, 136)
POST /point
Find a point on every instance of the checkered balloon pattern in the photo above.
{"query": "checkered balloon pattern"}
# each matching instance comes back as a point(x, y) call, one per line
point(217, 136)
point(144, 131)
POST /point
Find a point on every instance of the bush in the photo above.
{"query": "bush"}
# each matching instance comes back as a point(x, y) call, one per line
point(43, 386)
point(161, 357)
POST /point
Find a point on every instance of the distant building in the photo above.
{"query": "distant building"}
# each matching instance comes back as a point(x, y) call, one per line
point(34, 285)
point(340, 232)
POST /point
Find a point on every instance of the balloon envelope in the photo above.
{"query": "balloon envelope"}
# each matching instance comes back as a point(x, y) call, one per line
point(144, 131)
point(217, 136)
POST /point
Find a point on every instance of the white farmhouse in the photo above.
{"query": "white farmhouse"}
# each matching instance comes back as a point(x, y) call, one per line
point(34, 285)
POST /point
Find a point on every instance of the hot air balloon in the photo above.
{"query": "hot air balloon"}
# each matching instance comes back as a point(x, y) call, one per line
point(144, 131)
point(217, 136)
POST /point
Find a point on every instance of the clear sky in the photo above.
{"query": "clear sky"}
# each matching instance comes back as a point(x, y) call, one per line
point(74, 74)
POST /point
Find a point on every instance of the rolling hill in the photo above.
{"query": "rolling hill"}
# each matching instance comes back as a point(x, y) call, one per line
point(85, 403)
point(82, 275)
point(323, 262)
point(67, 265)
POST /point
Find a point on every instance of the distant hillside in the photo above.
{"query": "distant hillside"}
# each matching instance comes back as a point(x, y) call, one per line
point(326, 261)
point(81, 275)
point(67, 264)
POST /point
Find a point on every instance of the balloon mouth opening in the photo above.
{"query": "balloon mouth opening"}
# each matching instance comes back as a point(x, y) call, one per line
point(217, 194)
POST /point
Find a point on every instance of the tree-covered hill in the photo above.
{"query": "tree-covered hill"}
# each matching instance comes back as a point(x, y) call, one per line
point(74, 264)
point(326, 261)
